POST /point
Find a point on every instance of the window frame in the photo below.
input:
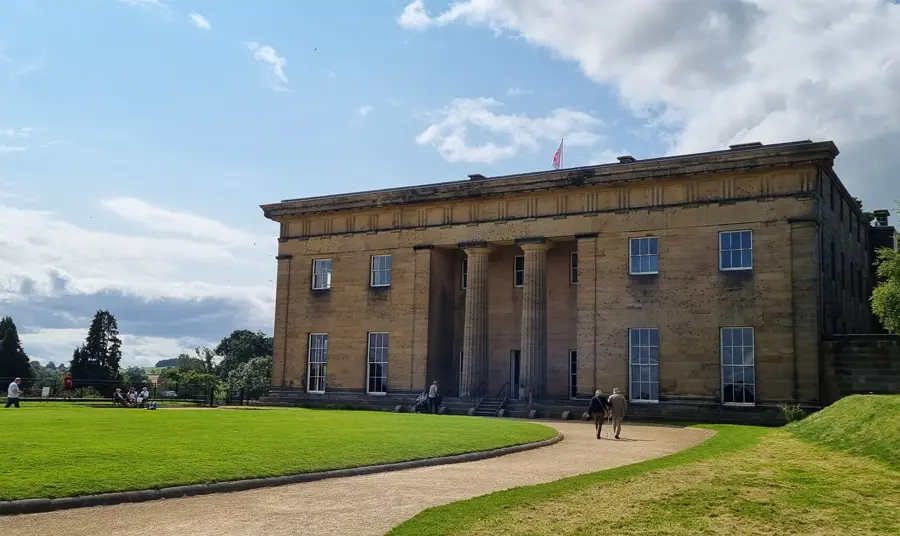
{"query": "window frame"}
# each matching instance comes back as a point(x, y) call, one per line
point(631, 257)
point(464, 274)
point(573, 268)
point(743, 366)
point(369, 362)
point(316, 273)
point(373, 270)
point(573, 374)
point(309, 363)
point(517, 271)
point(632, 363)
point(720, 251)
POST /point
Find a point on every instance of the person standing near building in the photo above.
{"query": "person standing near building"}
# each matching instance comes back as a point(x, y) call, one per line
point(617, 407)
point(433, 398)
point(598, 410)
point(12, 394)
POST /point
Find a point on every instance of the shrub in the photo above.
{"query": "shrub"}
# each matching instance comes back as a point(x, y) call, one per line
point(791, 412)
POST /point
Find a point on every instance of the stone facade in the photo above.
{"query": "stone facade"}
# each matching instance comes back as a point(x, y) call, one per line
point(545, 285)
point(860, 364)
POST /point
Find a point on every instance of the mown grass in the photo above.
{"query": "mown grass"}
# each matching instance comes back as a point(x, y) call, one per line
point(59, 451)
point(864, 425)
point(744, 480)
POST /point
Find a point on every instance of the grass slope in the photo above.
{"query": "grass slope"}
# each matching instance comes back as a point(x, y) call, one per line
point(743, 480)
point(58, 451)
point(865, 425)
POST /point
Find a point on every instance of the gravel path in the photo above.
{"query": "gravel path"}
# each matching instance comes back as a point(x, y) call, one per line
point(364, 505)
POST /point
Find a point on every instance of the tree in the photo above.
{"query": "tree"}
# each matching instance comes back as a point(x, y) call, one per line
point(867, 216)
point(97, 360)
point(173, 362)
point(46, 376)
point(886, 296)
point(187, 362)
point(255, 375)
point(13, 359)
point(135, 377)
point(240, 347)
point(207, 356)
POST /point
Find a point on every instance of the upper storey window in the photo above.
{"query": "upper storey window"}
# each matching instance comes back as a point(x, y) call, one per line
point(321, 276)
point(643, 256)
point(735, 250)
point(381, 271)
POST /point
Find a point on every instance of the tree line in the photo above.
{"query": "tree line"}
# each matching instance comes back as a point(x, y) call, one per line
point(241, 360)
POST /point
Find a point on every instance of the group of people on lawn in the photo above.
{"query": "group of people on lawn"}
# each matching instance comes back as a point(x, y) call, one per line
point(131, 399)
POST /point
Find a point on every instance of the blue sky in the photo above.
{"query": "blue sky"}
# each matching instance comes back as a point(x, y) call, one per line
point(123, 122)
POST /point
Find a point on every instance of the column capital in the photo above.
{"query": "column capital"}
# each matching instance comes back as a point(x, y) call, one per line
point(474, 244)
point(530, 240)
point(586, 236)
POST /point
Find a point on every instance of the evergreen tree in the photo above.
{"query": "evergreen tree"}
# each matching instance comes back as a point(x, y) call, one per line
point(13, 360)
point(97, 360)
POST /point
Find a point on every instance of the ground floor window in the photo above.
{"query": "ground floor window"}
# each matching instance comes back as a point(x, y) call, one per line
point(318, 359)
point(643, 357)
point(573, 373)
point(376, 382)
point(738, 366)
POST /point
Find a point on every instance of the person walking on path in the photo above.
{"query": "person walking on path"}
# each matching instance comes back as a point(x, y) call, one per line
point(617, 407)
point(598, 410)
point(434, 399)
point(12, 394)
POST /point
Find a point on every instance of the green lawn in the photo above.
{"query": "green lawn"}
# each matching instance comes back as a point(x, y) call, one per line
point(743, 480)
point(58, 450)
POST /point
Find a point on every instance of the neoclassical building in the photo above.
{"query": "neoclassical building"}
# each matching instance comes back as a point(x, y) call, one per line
point(706, 277)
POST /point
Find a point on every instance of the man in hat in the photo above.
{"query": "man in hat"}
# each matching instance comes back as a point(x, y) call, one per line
point(617, 407)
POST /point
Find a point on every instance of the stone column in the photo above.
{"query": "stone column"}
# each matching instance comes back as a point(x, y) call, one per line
point(475, 337)
point(534, 316)
point(586, 311)
point(282, 307)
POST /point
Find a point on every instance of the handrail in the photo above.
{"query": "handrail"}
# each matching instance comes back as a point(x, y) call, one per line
point(501, 394)
point(477, 391)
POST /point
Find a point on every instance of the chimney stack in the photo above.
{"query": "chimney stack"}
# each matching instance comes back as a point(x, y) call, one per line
point(627, 159)
point(881, 217)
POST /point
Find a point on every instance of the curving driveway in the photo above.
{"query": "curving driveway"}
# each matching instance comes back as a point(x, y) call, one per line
point(369, 504)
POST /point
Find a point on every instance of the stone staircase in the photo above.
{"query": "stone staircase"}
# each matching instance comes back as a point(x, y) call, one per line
point(668, 410)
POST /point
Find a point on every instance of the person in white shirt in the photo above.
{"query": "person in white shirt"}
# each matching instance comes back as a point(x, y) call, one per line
point(12, 394)
point(434, 400)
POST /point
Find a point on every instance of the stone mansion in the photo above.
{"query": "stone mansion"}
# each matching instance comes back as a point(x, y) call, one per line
point(706, 277)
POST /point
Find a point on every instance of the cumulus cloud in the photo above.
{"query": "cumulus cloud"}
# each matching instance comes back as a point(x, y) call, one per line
point(167, 285)
point(363, 111)
point(276, 64)
point(712, 73)
point(450, 133)
point(200, 21)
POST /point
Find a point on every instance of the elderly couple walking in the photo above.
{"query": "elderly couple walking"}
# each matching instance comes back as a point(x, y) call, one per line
point(612, 408)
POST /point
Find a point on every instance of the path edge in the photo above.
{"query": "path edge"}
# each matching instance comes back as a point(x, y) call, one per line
point(36, 506)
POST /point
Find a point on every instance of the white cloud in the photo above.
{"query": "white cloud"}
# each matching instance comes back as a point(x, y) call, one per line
point(169, 283)
point(450, 133)
point(148, 4)
point(57, 345)
point(714, 73)
point(12, 149)
point(363, 111)
point(167, 221)
point(200, 21)
point(22, 132)
point(514, 91)
point(276, 63)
